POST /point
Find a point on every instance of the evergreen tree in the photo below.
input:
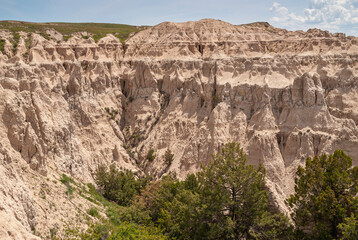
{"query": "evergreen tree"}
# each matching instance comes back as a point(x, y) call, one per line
point(349, 228)
point(173, 206)
point(233, 195)
point(168, 157)
point(325, 194)
point(151, 155)
point(227, 200)
point(118, 186)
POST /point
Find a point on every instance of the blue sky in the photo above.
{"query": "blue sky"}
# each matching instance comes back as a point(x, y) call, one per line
point(332, 15)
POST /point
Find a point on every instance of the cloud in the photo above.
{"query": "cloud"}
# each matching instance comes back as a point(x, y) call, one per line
point(332, 15)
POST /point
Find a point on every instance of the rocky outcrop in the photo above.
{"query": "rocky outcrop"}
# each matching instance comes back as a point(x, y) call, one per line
point(67, 107)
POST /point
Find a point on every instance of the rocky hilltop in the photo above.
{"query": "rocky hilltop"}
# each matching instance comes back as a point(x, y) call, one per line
point(68, 106)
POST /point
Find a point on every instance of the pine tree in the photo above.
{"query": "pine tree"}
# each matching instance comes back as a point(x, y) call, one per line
point(325, 194)
point(168, 157)
point(233, 194)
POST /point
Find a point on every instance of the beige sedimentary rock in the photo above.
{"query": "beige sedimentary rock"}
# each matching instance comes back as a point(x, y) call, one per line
point(191, 87)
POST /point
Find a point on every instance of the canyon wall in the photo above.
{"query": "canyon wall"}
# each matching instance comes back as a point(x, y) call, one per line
point(67, 107)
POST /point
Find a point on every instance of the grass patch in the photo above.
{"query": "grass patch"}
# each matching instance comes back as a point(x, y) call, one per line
point(93, 212)
point(108, 231)
point(69, 190)
point(2, 46)
point(28, 40)
point(65, 38)
point(112, 209)
point(96, 30)
point(96, 196)
point(45, 35)
point(67, 181)
point(15, 41)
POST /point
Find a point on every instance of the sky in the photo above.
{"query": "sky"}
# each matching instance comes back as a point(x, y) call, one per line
point(332, 15)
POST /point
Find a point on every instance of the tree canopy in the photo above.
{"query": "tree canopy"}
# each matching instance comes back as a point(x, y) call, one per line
point(226, 200)
point(325, 195)
point(118, 186)
point(233, 194)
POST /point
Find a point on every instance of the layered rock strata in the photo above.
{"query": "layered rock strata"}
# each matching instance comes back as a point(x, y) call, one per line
point(67, 107)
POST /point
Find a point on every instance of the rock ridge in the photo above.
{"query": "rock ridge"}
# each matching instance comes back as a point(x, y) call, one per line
point(67, 107)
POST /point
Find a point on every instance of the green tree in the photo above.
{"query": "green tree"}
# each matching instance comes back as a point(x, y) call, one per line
point(107, 231)
point(227, 200)
point(168, 157)
point(233, 195)
point(151, 155)
point(173, 206)
point(118, 186)
point(272, 226)
point(349, 228)
point(325, 194)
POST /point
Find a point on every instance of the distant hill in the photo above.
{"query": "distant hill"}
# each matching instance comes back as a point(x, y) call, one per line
point(96, 30)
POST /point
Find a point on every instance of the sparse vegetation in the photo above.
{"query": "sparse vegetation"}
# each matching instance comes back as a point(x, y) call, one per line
point(151, 155)
point(93, 212)
point(45, 35)
point(28, 40)
point(164, 101)
point(2, 46)
point(53, 233)
point(111, 113)
point(96, 30)
point(215, 100)
point(133, 138)
point(15, 41)
point(65, 38)
point(168, 157)
point(67, 181)
point(42, 193)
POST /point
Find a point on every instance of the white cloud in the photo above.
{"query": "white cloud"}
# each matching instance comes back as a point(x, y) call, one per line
point(333, 15)
point(276, 7)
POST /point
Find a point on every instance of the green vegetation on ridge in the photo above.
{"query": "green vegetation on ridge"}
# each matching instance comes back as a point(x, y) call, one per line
point(96, 30)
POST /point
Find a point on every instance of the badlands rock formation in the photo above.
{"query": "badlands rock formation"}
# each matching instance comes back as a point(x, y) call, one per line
point(67, 107)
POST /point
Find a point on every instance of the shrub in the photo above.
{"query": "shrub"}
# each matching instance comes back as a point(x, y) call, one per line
point(93, 212)
point(168, 157)
point(151, 155)
point(113, 232)
point(67, 181)
point(117, 186)
point(2, 46)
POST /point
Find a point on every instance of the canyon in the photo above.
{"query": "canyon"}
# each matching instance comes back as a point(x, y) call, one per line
point(67, 107)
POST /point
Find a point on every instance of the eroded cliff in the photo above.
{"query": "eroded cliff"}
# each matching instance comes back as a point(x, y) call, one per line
point(67, 107)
